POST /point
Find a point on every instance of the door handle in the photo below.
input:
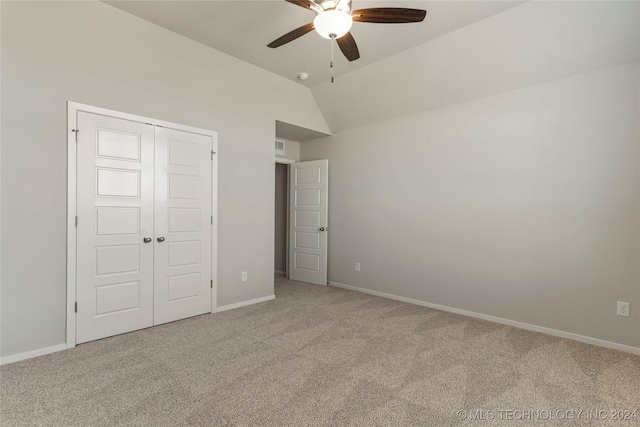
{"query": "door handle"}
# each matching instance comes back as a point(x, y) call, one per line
point(160, 239)
point(146, 239)
point(322, 228)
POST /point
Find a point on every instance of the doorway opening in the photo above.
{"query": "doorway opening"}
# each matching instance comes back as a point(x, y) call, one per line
point(281, 225)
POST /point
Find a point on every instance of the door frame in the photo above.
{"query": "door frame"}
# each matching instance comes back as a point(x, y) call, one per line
point(73, 108)
point(288, 163)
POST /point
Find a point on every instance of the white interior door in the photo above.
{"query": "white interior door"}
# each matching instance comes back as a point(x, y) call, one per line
point(308, 226)
point(115, 214)
point(182, 225)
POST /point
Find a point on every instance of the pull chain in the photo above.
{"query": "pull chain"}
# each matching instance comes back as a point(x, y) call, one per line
point(333, 40)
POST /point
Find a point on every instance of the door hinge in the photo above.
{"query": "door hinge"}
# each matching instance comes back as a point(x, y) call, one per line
point(211, 283)
point(76, 132)
point(76, 221)
point(212, 153)
point(211, 219)
point(76, 307)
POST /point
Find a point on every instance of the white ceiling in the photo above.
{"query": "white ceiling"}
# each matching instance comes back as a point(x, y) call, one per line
point(244, 28)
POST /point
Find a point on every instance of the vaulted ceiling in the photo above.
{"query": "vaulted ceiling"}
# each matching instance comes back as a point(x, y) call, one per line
point(462, 51)
point(244, 28)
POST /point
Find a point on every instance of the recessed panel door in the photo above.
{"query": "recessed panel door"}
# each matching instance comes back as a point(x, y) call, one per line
point(182, 225)
point(115, 215)
point(308, 221)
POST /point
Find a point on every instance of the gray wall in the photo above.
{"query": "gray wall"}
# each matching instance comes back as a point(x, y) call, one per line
point(280, 261)
point(92, 53)
point(522, 205)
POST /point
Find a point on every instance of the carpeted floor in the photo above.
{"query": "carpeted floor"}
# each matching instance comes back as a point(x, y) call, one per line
point(319, 356)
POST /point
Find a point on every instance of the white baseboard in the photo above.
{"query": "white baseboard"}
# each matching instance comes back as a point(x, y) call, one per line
point(244, 303)
point(33, 353)
point(514, 323)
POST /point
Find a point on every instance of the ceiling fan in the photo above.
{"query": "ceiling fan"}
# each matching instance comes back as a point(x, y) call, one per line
point(335, 17)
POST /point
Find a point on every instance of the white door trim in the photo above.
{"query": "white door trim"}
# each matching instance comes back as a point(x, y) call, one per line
point(284, 161)
point(72, 110)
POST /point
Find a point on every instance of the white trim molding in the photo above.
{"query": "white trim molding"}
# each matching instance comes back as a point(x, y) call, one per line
point(245, 303)
point(214, 222)
point(72, 171)
point(508, 322)
point(33, 353)
point(284, 161)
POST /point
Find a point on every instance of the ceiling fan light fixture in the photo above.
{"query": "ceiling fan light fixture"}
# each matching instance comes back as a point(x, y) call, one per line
point(333, 23)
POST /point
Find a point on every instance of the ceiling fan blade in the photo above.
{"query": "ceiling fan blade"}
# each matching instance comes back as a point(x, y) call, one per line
point(307, 4)
point(292, 35)
point(389, 15)
point(344, 5)
point(349, 47)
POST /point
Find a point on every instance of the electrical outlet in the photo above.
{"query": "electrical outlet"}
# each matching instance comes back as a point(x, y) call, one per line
point(244, 276)
point(357, 266)
point(623, 309)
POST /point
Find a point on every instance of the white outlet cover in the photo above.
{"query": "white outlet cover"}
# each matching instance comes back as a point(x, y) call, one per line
point(623, 309)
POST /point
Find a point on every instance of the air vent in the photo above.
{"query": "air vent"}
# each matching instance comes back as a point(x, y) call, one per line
point(280, 147)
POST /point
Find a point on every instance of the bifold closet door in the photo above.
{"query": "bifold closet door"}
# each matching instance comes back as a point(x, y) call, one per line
point(115, 225)
point(182, 225)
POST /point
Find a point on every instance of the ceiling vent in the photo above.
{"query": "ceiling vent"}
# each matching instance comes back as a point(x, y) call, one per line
point(280, 147)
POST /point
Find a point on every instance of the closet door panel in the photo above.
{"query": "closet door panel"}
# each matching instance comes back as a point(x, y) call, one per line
point(115, 176)
point(182, 225)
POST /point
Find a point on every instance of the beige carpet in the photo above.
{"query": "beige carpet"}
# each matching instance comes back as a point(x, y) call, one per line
point(320, 356)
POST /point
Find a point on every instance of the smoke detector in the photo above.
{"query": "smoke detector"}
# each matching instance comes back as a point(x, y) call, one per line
point(303, 76)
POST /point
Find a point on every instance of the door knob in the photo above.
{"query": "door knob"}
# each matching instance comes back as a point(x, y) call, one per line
point(160, 239)
point(322, 228)
point(146, 239)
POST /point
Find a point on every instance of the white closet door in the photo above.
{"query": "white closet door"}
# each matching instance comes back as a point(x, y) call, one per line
point(115, 214)
point(182, 225)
